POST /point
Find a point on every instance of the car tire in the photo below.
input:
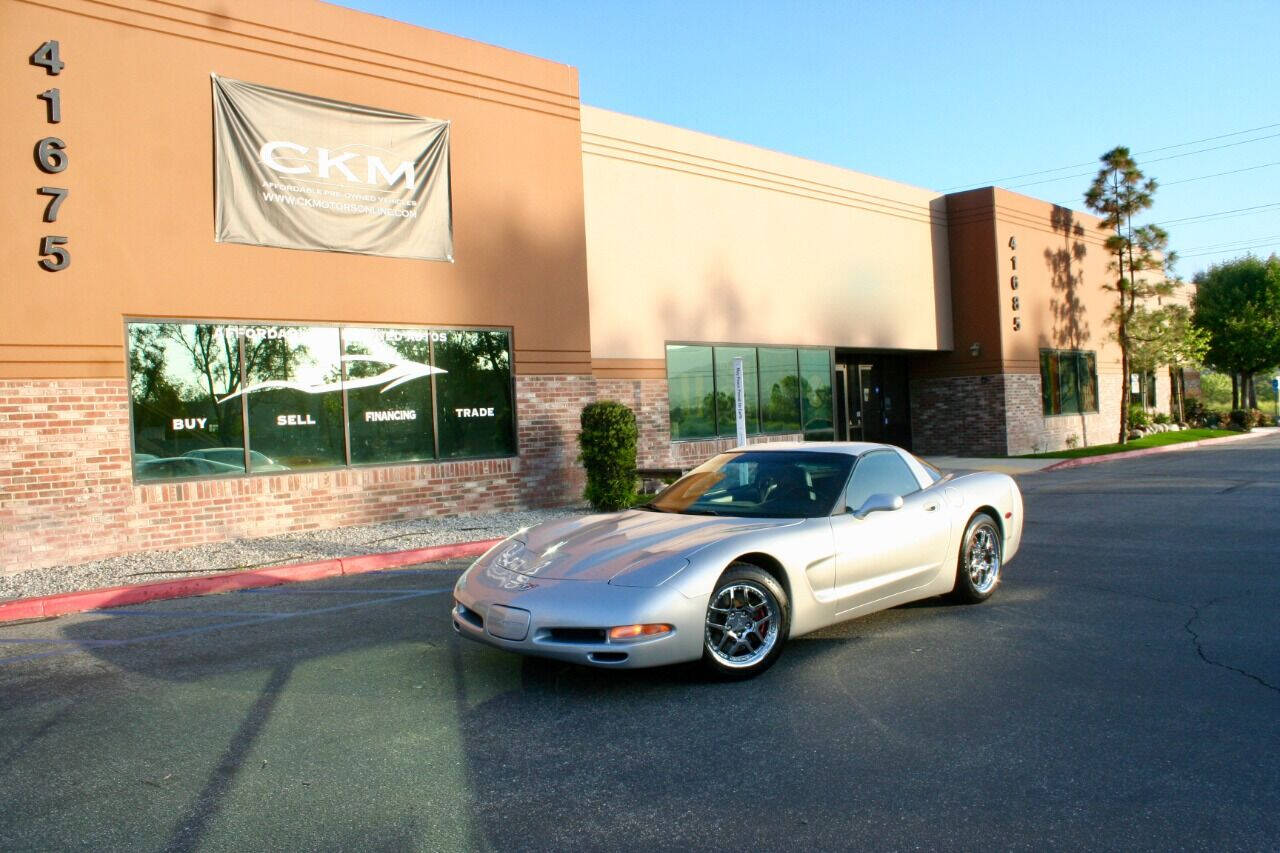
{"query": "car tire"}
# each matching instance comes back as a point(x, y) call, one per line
point(747, 621)
point(980, 560)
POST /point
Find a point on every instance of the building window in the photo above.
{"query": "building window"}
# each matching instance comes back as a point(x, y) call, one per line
point(691, 392)
point(780, 389)
point(815, 385)
point(389, 399)
point(313, 397)
point(1068, 382)
point(787, 390)
point(1142, 389)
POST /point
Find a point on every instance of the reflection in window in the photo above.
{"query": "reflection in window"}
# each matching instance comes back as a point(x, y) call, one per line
point(881, 472)
point(691, 392)
point(177, 375)
point(293, 390)
point(727, 416)
point(388, 387)
point(815, 388)
point(1068, 382)
point(474, 413)
point(779, 390)
point(787, 391)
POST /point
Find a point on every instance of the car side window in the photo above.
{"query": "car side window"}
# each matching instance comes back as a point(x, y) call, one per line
point(880, 472)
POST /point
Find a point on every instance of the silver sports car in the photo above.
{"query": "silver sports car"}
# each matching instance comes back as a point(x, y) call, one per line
point(751, 548)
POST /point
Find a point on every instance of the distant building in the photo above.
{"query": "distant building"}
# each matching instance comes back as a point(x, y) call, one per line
point(175, 370)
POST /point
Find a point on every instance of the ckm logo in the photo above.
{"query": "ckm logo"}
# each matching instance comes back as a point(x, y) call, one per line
point(351, 163)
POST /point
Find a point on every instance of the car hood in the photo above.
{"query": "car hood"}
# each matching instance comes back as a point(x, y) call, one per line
point(632, 548)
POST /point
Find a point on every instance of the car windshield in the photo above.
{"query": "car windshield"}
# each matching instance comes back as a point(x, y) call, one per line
point(759, 484)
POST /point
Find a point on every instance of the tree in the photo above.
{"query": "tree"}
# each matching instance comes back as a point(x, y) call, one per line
point(1166, 336)
point(1237, 304)
point(1141, 260)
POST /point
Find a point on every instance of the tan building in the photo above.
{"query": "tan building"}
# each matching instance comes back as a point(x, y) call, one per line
point(166, 380)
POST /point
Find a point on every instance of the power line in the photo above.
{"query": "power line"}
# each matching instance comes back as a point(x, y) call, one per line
point(1231, 243)
point(1220, 174)
point(1094, 162)
point(1156, 160)
point(1223, 214)
point(1225, 251)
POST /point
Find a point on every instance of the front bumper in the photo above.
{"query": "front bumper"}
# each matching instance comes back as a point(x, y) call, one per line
point(568, 620)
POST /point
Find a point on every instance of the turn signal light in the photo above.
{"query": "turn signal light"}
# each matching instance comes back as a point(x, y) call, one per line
point(637, 632)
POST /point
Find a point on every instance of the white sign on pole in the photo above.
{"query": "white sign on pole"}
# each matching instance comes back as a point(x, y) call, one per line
point(740, 401)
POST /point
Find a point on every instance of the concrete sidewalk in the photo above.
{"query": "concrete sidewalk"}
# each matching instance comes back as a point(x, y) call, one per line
point(1002, 464)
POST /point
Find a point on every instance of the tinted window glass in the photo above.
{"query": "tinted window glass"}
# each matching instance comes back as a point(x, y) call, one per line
point(179, 374)
point(880, 472)
point(726, 416)
point(815, 387)
point(388, 383)
point(779, 390)
point(690, 392)
point(1068, 382)
point(293, 392)
point(474, 414)
point(773, 484)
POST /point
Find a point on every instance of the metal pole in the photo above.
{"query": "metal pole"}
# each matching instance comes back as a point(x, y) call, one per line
point(740, 401)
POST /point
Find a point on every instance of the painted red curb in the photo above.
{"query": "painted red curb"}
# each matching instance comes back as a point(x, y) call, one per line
point(1150, 451)
point(122, 596)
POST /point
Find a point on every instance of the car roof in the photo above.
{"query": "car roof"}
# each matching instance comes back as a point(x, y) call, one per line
point(853, 448)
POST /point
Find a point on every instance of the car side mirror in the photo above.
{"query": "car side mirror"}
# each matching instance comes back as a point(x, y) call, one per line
point(879, 502)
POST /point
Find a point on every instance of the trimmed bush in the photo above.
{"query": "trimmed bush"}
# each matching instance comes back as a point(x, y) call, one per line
point(608, 452)
point(1138, 418)
point(1162, 418)
point(1241, 419)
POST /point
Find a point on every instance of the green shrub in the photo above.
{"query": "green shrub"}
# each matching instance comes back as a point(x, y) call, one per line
point(608, 452)
point(1192, 410)
point(1241, 419)
point(1212, 419)
point(1138, 418)
point(1260, 418)
point(1162, 418)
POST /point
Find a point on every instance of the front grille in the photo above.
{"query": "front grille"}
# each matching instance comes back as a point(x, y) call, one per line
point(575, 635)
point(469, 616)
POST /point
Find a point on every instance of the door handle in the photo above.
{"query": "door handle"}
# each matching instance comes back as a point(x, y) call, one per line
point(930, 507)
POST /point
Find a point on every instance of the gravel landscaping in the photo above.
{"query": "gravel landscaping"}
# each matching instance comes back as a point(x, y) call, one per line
point(244, 554)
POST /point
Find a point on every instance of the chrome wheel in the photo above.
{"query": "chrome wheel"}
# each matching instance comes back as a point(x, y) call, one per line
point(743, 621)
point(982, 557)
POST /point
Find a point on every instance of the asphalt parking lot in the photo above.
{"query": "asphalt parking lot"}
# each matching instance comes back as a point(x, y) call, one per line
point(1121, 691)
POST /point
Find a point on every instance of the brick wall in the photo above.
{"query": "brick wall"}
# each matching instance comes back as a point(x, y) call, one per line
point(1003, 414)
point(67, 493)
point(959, 415)
point(1030, 431)
point(548, 409)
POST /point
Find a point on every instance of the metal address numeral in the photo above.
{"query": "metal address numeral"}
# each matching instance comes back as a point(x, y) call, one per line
point(1015, 303)
point(52, 245)
point(54, 98)
point(46, 56)
point(51, 154)
point(59, 195)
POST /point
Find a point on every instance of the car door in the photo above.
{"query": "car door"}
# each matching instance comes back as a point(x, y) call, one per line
point(887, 552)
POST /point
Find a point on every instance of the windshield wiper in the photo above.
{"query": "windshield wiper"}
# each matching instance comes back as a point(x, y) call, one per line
point(650, 508)
point(701, 512)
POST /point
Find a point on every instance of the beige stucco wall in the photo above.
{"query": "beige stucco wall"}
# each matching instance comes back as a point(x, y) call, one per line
point(695, 238)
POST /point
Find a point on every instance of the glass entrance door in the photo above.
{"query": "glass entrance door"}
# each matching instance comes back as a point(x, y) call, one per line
point(871, 399)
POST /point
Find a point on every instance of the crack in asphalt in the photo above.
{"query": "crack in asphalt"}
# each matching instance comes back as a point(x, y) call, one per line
point(1200, 650)
point(1195, 614)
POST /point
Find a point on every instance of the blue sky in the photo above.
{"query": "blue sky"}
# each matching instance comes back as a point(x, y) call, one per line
point(945, 95)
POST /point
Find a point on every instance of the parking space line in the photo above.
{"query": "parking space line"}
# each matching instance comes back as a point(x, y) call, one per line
point(204, 629)
point(50, 640)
